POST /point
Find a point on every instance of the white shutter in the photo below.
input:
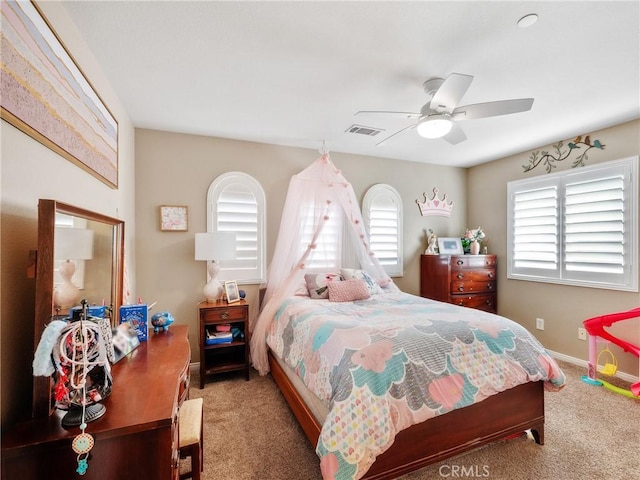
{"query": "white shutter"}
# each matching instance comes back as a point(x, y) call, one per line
point(594, 236)
point(382, 211)
point(535, 229)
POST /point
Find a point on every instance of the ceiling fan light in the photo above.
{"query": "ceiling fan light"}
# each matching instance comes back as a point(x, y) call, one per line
point(435, 126)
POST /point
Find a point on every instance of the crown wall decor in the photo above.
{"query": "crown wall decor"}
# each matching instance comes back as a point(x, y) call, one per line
point(435, 205)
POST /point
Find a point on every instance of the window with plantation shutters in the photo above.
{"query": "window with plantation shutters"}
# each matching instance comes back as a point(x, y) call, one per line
point(578, 227)
point(236, 204)
point(382, 212)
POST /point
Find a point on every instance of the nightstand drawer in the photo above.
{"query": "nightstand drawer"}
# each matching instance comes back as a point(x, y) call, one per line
point(224, 314)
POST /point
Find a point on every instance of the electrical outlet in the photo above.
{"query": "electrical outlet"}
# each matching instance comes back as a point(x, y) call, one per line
point(540, 323)
point(582, 334)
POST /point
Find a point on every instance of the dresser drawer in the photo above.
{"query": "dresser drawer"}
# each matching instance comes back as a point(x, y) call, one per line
point(224, 314)
point(472, 261)
point(486, 302)
point(478, 275)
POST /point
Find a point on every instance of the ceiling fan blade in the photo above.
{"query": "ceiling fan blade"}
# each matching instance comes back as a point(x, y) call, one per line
point(380, 143)
point(492, 109)
point(456, 135)
point(396, 114)
point(450, 92)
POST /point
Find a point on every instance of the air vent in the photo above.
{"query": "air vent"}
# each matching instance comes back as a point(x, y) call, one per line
point(362, 130)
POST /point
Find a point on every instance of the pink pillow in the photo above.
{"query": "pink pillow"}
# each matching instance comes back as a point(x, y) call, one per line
point(348, 290)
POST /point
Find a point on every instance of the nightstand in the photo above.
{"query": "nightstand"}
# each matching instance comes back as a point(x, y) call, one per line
point(224, 357)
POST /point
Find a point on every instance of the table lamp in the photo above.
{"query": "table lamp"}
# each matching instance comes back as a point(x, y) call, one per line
point(70, 244)
point(213, 248)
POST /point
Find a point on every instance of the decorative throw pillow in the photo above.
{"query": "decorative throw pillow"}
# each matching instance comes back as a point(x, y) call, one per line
point(302, 290)
point(348, 290)
point(349, 273)
point(317, 283)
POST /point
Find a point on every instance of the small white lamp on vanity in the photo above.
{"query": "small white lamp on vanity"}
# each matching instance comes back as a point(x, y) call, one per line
point(70, 244)
point(215, 247)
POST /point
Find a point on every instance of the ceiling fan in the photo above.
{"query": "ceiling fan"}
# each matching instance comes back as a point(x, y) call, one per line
point(439, 116)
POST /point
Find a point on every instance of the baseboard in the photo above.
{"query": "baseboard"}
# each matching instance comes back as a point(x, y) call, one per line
point(627, 377)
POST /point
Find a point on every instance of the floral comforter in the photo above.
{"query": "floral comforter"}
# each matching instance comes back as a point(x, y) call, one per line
point(383, 364)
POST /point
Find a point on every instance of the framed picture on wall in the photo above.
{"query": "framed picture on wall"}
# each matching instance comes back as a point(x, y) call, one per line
point(450, 246)
point(47, 96)
point(174, 218)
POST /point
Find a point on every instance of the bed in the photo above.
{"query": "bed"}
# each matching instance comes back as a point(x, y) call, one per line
point(370, 362)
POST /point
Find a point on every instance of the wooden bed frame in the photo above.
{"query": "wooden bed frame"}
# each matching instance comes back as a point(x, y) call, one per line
point(507, 413)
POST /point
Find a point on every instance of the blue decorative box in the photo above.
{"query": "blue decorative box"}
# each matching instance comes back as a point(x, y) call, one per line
point(136, 315)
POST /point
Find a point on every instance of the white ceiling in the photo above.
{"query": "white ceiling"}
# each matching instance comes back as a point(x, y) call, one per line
point(294, 73)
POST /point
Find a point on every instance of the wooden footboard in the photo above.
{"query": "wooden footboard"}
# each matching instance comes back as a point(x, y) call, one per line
point(507, 413)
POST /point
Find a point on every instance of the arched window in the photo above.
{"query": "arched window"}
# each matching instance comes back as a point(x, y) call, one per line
point(382, 212)
point(236, 204)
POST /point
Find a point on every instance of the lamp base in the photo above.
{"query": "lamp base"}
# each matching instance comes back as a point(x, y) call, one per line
point(213, 290)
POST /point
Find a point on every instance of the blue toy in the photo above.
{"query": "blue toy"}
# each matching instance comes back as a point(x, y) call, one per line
point(161, 321)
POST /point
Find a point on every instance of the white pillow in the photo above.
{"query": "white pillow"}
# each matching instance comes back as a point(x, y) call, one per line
point(349, 273)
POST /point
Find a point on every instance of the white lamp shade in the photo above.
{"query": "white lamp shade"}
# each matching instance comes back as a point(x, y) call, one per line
point(215, 246)
point(73, 244)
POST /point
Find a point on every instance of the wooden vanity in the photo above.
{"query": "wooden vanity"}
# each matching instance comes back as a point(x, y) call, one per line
point(136, 438)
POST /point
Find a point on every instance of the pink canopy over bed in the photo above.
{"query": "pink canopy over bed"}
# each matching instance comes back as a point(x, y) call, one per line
point(317, 197)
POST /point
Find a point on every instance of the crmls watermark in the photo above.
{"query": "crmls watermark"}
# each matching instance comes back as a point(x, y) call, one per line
point(462, 471)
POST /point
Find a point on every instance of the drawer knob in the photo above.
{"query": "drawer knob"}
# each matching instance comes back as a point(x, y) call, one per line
point(489, 302)
point(224, 315)
point(460, 262)
point(490, 275)
point(460, 275)
point(461, 288)
point(489, 286)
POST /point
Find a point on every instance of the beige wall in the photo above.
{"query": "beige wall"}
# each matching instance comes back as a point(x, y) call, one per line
point(562, 307)
point(30, 171)
point(177, 169)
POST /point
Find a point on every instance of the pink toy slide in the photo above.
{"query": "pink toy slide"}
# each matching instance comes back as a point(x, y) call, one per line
point(595, 328)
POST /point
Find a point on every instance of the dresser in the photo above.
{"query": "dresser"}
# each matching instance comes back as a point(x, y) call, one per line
point(224, 357)
point(465, 280)
point(136, 438)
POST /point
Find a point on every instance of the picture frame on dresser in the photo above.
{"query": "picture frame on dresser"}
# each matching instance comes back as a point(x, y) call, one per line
point(450, 246)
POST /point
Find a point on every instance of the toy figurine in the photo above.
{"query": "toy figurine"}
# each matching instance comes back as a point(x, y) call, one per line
point(161, 321)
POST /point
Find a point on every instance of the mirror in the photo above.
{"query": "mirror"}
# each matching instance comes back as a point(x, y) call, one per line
point(91, 266)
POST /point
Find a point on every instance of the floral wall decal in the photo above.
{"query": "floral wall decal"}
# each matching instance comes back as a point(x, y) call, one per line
point(549, 159)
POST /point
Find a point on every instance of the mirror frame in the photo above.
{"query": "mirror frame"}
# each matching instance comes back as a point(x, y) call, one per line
point(42, 405)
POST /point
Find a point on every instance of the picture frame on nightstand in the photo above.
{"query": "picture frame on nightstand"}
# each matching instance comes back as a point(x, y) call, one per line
point(231, 289)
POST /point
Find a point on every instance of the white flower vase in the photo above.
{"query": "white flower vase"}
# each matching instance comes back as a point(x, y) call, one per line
point(474, 248)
